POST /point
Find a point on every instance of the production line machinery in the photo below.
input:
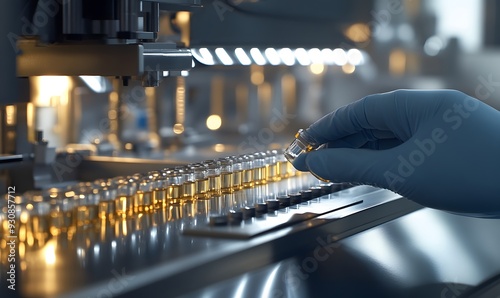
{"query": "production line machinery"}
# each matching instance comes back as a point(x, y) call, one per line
point(279, 233)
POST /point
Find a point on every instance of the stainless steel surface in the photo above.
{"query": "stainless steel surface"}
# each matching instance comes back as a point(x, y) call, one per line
point(152, 254)
point(426, 253)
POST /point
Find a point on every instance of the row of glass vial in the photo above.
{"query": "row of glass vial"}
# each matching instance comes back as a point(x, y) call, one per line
point(84, 203)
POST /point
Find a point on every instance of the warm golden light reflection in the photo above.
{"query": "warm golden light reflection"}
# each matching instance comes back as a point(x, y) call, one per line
point(257, 74)
point(178, 128)
point(358, 32)
point(10, 115)
point(22, 250)
point(182, 20)
point(48, 88)
point(397, 62)
point(348, 68)
point(219, 148)
point(49, 252)
point(129, 146)
point(214, 122)
point(180, 105)
point(317, 68)
point(265, 95)
point(289, 93)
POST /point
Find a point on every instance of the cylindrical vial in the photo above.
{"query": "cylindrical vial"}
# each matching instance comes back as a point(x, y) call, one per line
point(248, 171)
point(39, 221)
point(61, 209)
point(189, 185)
point(174, 191)
point(226, 172)
point(124, 202)
point(214, 178)
point(237, 172)
point(285, 167)
point(201, 181)
point(160, 186)
point(303, 143)
point(259, 168)
point(107, 206)
point(87, 206)
point(272, 166)
point(143, 199)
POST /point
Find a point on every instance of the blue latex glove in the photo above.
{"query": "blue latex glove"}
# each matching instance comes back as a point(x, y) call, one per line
point(439, 148)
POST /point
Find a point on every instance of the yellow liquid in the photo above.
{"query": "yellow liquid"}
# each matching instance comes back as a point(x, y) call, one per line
point(159, 198)
point(283, 169)
point(85, 215)
point(260, 175)
point(237, 180)
point(188, 190)
point(248, 178)
point(290, 170)
point(227, 183)
point(40, 227)
point(124, 206)
point(107, 209)
point(143, 201)
point(214, 185)
point(174, 194)
point(202, 189)
point(273, 173)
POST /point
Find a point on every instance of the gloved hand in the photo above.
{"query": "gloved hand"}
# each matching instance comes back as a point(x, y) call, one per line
point(439, 148)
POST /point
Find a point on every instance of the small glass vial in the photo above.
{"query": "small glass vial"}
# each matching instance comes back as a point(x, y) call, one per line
point(259, 168)
point(237, 172)
point(174, 191)
point(87, 207)
point(226, 173)
point(39, 221)
point(303, 143)
point(248, 171)
point(272, 166)
point(61, 212)
point(214, 178)
point(124, 202)
point(107, 207)
point(189, 185)
point(160, 186)
point(143, 198)
point(201, 181)
point(283, 163)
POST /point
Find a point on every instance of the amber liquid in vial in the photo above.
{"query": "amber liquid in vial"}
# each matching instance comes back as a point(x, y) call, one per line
point(214, 185)
point(273, 173)
point(260, 175)
point(86, 215)
point(174, 193)
point(159, 198)
point(124, 206)
point(227, 182)
point(248, 178)
point(107, 209)
point(201, 186)
point(143, 201)
point(188, 190)
point(283, 169)
point(60, 221)
point(237, 180)
point(40, 227)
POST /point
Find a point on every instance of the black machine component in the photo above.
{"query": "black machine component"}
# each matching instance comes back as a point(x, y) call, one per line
point(109, 38)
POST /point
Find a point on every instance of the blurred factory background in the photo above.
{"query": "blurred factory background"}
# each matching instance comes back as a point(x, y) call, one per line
point(96, 89)
point(255, 63)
